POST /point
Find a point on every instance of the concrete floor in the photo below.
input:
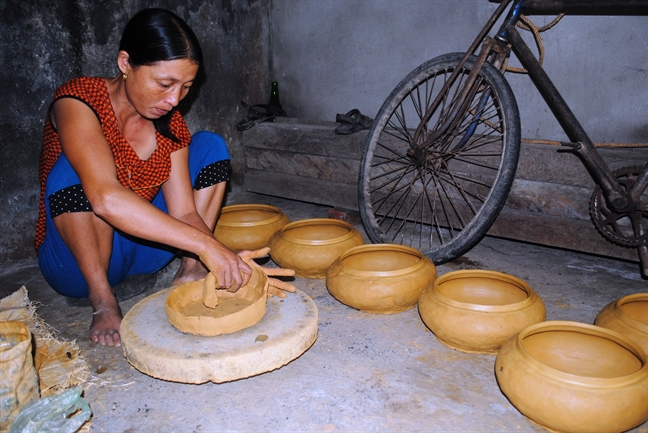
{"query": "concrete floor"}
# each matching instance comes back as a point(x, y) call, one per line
point(374, 373)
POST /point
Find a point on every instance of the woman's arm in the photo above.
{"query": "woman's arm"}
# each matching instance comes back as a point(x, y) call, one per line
point(178, 192)
point(90, 156)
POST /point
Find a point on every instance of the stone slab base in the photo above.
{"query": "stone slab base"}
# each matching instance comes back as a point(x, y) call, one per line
point(155, 347)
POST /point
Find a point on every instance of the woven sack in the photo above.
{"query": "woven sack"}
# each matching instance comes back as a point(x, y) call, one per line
point(19, 384)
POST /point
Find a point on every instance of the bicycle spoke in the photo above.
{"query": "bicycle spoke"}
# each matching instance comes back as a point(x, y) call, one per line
point(429, 194)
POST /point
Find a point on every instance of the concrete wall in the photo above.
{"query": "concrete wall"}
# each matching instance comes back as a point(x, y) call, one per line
point(45, 43)
point(329, 56)
point(334, 55)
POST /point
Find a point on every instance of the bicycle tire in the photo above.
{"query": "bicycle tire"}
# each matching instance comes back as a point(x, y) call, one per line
point(440, 200)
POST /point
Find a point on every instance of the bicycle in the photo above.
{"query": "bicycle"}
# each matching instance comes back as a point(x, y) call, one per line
point(441, 155)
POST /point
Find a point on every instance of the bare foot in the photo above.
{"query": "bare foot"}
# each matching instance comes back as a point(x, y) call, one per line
point(190, 270)
point(106, 321)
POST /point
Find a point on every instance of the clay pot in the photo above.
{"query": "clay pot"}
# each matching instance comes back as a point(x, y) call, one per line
point(235, 311)
point(575, 377)
point(627, 316)
point(310, 246)
point(380, 278)
point(248, 226)
point(477, 311)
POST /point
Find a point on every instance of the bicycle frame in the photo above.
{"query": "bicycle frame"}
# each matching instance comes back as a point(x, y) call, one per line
point(619, 199)
point(496, 50)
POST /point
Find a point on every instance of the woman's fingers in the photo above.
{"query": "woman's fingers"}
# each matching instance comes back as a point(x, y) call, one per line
point(233, 278)
point(236, 281)
point(246, 272)
point(229, 270)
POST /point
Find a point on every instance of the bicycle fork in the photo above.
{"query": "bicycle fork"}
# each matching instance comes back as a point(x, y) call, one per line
point(418, 135)
point(492, 51)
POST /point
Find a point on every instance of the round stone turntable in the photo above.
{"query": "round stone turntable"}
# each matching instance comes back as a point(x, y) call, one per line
point(155, 347)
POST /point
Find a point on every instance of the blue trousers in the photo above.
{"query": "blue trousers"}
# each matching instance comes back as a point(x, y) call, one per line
point(130, 255)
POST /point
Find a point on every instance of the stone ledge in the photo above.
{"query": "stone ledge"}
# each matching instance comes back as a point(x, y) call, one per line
point(548, 203)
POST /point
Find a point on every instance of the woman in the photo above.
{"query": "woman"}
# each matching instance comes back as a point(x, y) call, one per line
point(123, 184)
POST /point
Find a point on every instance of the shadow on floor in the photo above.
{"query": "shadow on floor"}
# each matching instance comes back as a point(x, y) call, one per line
point(364, 372)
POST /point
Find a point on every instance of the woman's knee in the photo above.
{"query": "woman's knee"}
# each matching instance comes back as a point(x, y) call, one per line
point(210, 143)
point(209, 160)
point(61, 176)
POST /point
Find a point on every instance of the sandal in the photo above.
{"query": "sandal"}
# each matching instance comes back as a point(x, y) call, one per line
point(259, 113)
point(351, 122)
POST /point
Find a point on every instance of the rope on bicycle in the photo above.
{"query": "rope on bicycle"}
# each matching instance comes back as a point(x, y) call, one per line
point(526, 24)
point(554, 142)
point(557, 143)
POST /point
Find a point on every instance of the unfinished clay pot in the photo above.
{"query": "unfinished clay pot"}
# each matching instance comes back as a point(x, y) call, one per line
point(380, 278)
point(248, 226)
point(477, 310)
point(627, 316)
point(575, 377)
point(310, 246)
point(235, 311)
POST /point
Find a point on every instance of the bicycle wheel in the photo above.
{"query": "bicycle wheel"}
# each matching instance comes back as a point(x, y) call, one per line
point(441, 196)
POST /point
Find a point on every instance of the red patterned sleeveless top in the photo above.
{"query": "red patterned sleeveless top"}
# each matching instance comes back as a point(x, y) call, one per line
point(143, 177)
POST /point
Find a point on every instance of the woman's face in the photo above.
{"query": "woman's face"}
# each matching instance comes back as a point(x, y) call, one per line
point(156, 89)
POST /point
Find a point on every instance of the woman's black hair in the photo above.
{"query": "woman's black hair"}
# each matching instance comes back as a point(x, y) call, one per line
point(154, 35)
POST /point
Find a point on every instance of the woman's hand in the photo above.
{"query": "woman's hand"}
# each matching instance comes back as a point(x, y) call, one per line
point(230, 270)
point(275, 286)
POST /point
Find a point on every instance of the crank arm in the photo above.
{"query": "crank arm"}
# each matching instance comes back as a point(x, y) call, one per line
point(643, 260)
point(598, 169)
point(639, 186)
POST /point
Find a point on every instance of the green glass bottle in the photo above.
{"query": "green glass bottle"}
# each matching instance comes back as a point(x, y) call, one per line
point(274, 101)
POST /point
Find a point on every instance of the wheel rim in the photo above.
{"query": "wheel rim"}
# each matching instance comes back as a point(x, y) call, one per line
point(429, 197)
